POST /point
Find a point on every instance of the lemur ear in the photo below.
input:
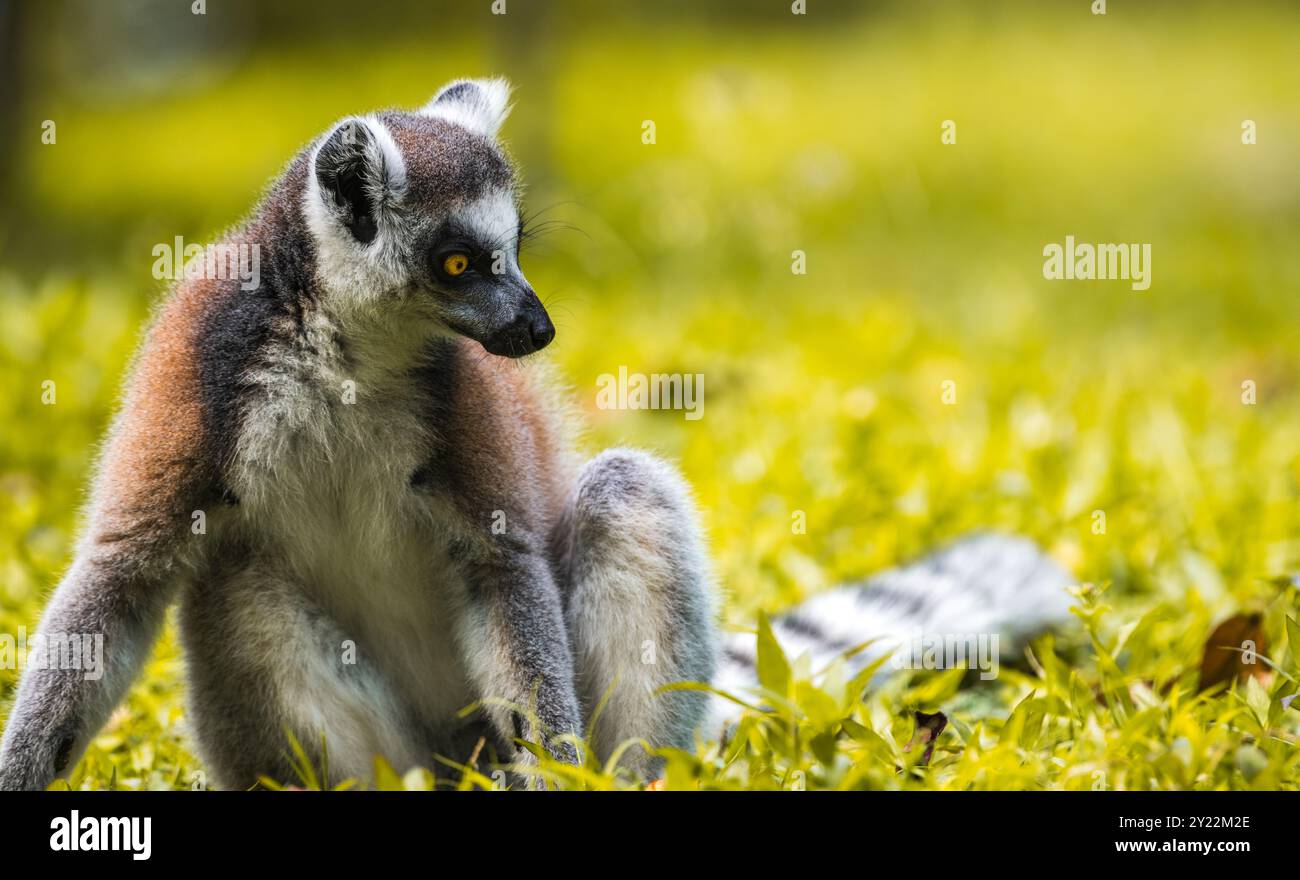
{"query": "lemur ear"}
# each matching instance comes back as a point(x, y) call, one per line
point(480, 105)
point(359, 170)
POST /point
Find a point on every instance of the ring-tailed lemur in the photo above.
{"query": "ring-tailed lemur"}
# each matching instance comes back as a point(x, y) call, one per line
point(393, 526)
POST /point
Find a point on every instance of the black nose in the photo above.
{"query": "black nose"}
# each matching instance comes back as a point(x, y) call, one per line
point(530, 331)
point(541, 330)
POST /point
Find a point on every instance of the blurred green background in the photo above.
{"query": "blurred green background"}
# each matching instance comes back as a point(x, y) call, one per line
point(774, 133)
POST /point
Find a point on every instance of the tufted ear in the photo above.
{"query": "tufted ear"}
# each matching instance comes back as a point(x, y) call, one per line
point(481, 105)
point(359, 171)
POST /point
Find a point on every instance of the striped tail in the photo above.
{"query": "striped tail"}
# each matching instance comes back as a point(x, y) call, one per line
point(986, 585)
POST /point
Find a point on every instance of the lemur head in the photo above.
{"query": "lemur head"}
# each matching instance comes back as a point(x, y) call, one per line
point(421, 208)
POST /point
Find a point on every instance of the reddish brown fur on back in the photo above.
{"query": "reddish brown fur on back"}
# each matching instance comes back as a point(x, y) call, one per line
point(156, 464)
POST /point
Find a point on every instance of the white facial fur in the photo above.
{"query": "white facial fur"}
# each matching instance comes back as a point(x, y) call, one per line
point(492, 218)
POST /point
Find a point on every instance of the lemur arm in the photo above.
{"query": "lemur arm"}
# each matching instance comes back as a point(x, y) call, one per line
point(519, 653)
point(58, 711)
point(113, 598)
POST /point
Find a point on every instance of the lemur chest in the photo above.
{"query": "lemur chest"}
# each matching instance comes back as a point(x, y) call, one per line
point(324, 489)
point(331, 480)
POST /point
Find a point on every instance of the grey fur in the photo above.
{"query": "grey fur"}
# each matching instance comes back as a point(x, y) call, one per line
point(638, 604)
point(352, 583)
point(58, 710)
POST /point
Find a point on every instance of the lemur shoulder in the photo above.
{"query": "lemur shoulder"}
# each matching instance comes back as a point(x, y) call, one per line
point(397, 526)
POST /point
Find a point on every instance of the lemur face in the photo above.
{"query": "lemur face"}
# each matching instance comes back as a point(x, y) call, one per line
point(421, 208)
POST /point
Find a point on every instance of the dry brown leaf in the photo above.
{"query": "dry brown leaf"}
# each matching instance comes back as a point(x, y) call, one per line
point(1233, 649)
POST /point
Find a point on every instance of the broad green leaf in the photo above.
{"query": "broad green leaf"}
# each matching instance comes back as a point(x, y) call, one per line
point(773, 667)
point(818, 705)
point(1258, 700)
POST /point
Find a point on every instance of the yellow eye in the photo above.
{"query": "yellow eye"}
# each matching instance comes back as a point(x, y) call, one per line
point(455, 264)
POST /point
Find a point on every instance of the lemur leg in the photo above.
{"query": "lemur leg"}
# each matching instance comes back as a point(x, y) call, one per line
point(640, 603)
point(100, 606)
point(266, 661)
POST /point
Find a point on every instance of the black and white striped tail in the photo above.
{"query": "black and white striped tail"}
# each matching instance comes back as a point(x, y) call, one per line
point(983, 585)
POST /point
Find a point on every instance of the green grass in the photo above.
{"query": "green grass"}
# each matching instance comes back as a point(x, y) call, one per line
point(823, 391)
